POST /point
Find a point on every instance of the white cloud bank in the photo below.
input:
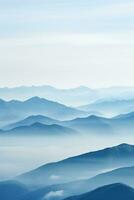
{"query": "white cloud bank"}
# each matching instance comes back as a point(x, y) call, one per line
point(54, 177)
point(67, 43)
point(53, 194)
point(125, 38)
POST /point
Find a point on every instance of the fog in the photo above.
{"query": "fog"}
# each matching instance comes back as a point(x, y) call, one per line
point(21, 154)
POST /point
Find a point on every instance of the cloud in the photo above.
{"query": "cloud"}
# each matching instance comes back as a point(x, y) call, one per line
point(115, 9)
point(53, 194)
point(56, 64)
point(54, 177)
point(76, 11)
point(85, 39)
point(51, 16)
point(54, 40)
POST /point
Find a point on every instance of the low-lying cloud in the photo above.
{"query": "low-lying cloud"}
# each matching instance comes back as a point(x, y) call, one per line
point(54, 177)
point(53, 194)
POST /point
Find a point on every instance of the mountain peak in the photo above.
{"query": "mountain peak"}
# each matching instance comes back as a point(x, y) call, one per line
point(35, 98)
point(38, 125)
point(111, 192)
point(125, 116)
point(124, 146)
point(94, 117)
point(115, 151)
point(37, 117)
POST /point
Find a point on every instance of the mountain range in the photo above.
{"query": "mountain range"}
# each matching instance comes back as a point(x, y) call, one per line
point(18, 110)
point(80, 167)
point(105, 184)
point(121, 175)
point(120, 125)
point(91, 125)
point(31, 120)
point(62, 122)
point(72, 97)
point(38, 129)
point(16, 191)
point(113, 191)
point(110, 107)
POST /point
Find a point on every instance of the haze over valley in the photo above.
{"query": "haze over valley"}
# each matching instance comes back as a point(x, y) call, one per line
point(66, 100)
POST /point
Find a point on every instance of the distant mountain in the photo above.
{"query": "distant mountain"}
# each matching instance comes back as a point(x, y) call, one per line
point(72, 97)
point(119, 125)
point(122, 124)
point(33, 119)
point(116, 191)
point(12, 190)
point(38, 129)
point(80, 167)
point(18, 110)
point(110, 107)
point(127, 116)
point(121, 175)
point(91, 124)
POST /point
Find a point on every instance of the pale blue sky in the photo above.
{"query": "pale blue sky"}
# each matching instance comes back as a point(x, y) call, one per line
point(67, 43)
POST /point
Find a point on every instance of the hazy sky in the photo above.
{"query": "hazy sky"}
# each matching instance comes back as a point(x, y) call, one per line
point(66, 43)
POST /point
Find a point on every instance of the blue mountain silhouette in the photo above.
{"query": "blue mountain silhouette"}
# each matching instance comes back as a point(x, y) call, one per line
point(114, 191)
point(81, 167)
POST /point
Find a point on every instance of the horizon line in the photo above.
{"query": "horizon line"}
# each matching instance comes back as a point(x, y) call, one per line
point(66, 88)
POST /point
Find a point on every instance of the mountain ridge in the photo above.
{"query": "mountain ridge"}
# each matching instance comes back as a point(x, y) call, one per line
point(18, 110)
point(113, 191)
point(85, 165)
point(38, 129)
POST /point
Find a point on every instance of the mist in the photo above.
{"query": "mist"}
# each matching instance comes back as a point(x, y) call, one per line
point(21, 154)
